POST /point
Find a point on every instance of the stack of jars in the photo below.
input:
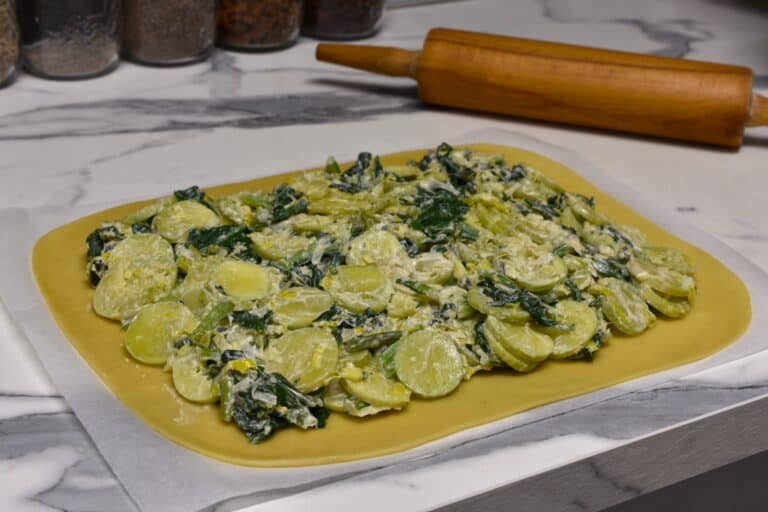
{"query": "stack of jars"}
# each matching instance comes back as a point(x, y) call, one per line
point(70, 39)
point(9, 42)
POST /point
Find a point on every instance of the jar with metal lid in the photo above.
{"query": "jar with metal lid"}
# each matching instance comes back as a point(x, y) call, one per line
point(258, 24)
point(168, 32)
point(69, 39)
point(341, 19)
point(9, 42)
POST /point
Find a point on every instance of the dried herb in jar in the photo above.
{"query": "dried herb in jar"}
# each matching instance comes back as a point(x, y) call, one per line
point(341, 19)
point(168, 32)
point(9, 41)
point(69, 38)
point(258, 24)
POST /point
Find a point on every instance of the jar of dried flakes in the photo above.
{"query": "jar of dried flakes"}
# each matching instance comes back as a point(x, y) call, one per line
point(68, 39)
point(258, 24)
point(9, 41)
point(341, 19)
point(168, 32)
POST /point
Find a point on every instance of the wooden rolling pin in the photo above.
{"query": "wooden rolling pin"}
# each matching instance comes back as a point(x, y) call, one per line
point(679, 99)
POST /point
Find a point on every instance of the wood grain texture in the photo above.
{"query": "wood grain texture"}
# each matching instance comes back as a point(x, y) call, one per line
point(382, 60)
point(672, 98)
point(689, 100)
point(758, 111)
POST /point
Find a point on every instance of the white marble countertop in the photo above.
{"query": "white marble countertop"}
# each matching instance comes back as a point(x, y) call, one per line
point(139, 131)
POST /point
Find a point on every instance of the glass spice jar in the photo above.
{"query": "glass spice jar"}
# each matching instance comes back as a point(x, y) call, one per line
point(168, 32)
point(258, 24)
point(341, 19)
point(9, 42)
point(69, 39)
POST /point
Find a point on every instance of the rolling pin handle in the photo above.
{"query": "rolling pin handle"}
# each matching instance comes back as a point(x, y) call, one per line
point(377, 59)
point(758, 111)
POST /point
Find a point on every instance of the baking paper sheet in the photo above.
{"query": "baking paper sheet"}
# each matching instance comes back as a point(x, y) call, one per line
point(160, 475)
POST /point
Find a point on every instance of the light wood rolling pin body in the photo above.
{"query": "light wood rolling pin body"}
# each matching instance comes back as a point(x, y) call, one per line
point(673, 98)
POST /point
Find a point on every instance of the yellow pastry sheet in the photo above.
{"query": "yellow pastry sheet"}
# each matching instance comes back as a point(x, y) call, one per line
point(721, 314)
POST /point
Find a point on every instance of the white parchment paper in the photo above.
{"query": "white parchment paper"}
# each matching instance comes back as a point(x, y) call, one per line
point(161, 476)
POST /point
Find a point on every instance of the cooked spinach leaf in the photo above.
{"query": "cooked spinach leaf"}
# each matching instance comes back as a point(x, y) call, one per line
point(287, 202)
point(141, 227)
point(372, 341)
point(441, 213)
point(255, 201)
point(618, 236)
point(561, 250)
point(350, 188)
point(485, 347)
point(460, 176)
point(504, 291)
point(101, 237)
point(193, 193)
point(610, 267)
point(268, 403)
point(361, 164)
point(421, 289)
point(202, 334)
point(515, 173)
point(304, 272)
point(387, 360)
point(330, 314)
point(233, 239)
point(575, 292)
point(410, 247)
point(545, 210)
point(251, 320)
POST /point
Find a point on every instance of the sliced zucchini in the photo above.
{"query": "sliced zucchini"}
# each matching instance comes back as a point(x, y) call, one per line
point(307, 357)
point(176, 220)
point(512, 313)
point(141, 270)
point(279, 245)
point(359, 287)
point(150, 336)
point(376, 389)
point(533, 266)
point(521, 341)
point(432, 267)
point(300, 306)
point(623, 305)
point(583, 322)
point(670, 258)
point(429, 363)
point(246, 280)
point(376, 247)
point(190, 378)
point(671, 307)
point(662, 279)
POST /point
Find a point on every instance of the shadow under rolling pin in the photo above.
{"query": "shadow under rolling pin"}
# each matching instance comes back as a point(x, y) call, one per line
point(672, 98)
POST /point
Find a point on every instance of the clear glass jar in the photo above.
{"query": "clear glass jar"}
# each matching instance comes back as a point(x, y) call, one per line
point(341, 19)
point(258, 24)
point(69, 39)
point(9, 42)
point(168, 32)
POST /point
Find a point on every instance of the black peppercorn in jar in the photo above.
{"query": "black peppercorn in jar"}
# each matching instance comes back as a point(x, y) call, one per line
point(168, 32)
point(9, 41)
point(258, 24)
point(69, 39)
point(341, 19)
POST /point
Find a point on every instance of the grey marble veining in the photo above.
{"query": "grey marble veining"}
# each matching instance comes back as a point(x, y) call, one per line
point(71, 143)
point(126, 116)
point(658, 408)
point(54, 464)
